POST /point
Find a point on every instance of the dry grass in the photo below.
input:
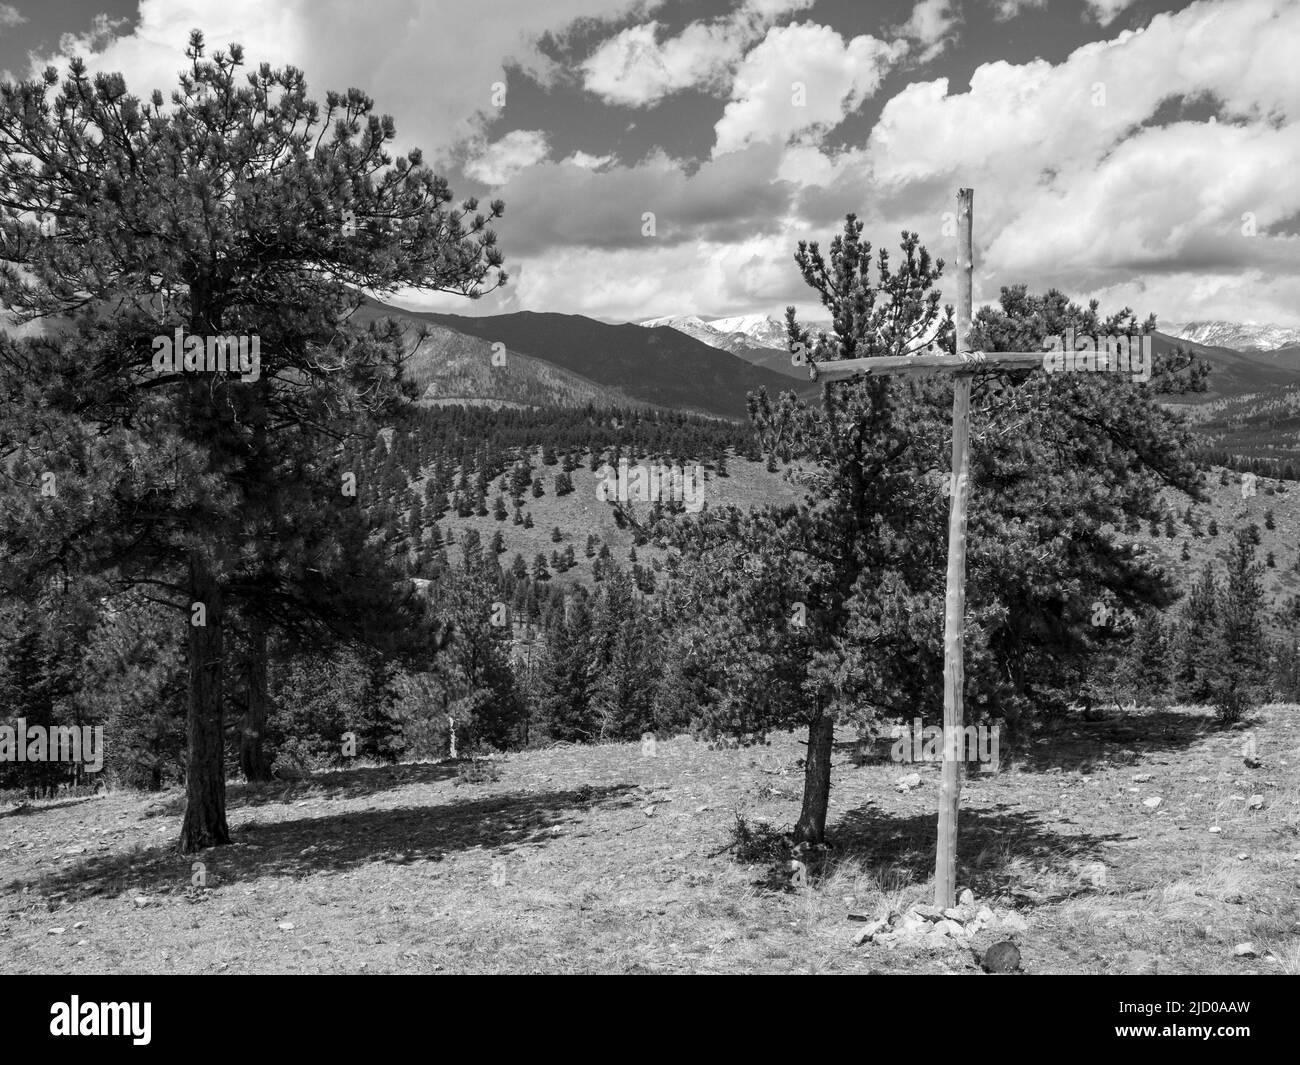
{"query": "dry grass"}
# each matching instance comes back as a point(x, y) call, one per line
point(594, 859)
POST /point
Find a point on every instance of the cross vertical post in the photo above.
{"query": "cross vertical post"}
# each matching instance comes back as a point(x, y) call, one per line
point(945, 853)
point(962, 364)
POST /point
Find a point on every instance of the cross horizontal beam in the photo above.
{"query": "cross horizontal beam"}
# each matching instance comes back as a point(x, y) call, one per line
point(917, 365)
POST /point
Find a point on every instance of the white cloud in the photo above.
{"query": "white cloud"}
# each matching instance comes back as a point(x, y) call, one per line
point(1009, 9)
point(1105, 11)
point(10, 16)
point(931, 25)
point(432, 65)
point(801, 78)
point(634, 68)
point(588, 161)
point(496, 163)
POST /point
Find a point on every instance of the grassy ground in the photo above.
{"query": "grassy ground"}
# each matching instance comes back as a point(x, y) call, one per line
point(599, 859)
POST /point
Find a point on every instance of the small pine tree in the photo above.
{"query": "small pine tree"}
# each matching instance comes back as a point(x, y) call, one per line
point(1212, 528)
point(1268, 520)
point(556, 535)
point(540, 570)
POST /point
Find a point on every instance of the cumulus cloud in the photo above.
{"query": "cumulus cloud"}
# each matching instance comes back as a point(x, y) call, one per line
point(496, 163)
point(1105, 11)
point(932, 26)
point(434, 66)
point(635, 68)
point(799, 79)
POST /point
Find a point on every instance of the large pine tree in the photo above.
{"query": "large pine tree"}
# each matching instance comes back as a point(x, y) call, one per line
point(240, 208)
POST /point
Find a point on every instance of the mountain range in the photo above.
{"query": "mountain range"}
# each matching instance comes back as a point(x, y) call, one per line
point(1238, 336)
point(624, 364)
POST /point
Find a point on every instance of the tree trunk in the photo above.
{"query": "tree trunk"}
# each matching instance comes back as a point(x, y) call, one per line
point(205, 779)
point(811, 827)
point(252, 752)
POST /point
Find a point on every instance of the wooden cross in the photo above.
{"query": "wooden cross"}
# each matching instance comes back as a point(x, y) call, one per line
point(962, 366)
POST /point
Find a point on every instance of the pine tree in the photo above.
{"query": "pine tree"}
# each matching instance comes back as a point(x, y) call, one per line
point(1236, 666)
point(222, 487)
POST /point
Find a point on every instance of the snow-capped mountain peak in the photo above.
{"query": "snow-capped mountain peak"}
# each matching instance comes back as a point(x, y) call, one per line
point(1239, 336)
point(728, 333)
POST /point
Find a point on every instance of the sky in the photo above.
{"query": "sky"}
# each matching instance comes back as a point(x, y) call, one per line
point(660, 157)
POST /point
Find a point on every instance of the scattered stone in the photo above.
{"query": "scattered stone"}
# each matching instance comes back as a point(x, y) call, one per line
point(1014, 922)
point(58, 930)
point(985, 915)
point(957, 913)
point(1256, 802)
point(949, 928)
point(1141, 778)
point(1243, 857)
point(1215, 828)
point(930, 913)
point(1244, 950)
point(142, 901)
point(907, 783)
point(966, 898)
point(1152, 802)
point(649, 811)
point(1002, 957)
point(285, 926)
point(1093, 873)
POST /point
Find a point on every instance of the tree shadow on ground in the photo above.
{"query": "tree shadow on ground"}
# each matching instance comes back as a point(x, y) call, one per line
point(329, 784)
point(995, 847)
point(341, 842)
point(1071, 743)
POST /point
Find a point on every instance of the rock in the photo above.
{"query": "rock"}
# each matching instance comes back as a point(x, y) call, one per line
point(1002, 957)
point(929, 913)
point(907, 783)
point(949, 928)
point(1152, 802)
point(142, 901)
point(957, 913)
point(985, 915)
point(58, 930)
point(1141, 778)
point(870, 931)
point(285, 926)
point(966, 898)
point(1244, 950)
point(1256, 802)
point(911, 922)
point(1215, 828)
point(649, 811)
point(1014, 922)
point(1243, 857)
point(1093, 873)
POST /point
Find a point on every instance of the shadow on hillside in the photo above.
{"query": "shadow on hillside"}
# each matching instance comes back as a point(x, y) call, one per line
point(340, 842)
point(990, 841)
point(1115, 741)
point(336, 784)
point(42, 805)
point(1073, 743)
